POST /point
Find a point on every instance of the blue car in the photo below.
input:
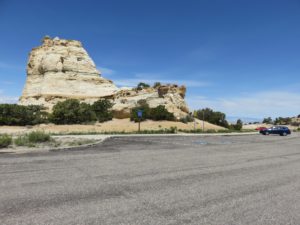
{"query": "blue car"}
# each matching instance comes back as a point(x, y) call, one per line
point(281, 130)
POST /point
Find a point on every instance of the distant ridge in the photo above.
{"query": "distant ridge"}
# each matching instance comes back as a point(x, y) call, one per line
point(233, 119)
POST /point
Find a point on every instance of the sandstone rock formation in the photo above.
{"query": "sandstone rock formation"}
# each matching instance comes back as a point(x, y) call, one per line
point(61, 69)
point(171, 96)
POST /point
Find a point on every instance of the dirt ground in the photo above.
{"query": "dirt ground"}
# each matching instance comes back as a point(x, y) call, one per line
point(115, 125)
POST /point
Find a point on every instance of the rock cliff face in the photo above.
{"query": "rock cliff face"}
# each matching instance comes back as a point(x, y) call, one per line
point(62, 69)
point(171, 96)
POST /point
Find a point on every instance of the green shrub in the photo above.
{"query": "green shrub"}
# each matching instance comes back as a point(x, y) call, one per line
point(161, 113)
point(102, 109)
point(86, 113)
point(145, 109)
point(72, 111)
point(157, 113)
point(22, 141)
point(32, 138)
point(210, 131)
point(224, 131)
point(13, 114)
point(238, 125)
point(173, 130)
point(38, 137)
point(187, 119)
point(5, 140)
point(193, 131)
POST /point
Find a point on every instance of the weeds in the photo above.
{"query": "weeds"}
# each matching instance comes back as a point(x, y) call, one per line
point(38, 137)
point(32, 138)
point(81, 142)
point(5, 140)
point(171, 130)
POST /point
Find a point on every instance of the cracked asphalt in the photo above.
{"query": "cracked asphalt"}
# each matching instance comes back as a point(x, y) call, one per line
point(216, 180)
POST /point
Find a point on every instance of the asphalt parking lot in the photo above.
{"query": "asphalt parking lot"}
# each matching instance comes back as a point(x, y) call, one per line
point(196, 180)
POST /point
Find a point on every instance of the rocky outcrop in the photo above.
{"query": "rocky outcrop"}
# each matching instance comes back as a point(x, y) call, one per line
point(171, 98)
point(61, 69)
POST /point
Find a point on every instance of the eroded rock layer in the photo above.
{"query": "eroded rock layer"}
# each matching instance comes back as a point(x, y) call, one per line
point(62, 69)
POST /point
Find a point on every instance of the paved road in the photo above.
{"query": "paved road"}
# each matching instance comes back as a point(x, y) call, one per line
point(156, 180)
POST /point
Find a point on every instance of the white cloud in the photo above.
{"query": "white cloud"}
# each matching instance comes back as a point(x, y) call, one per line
point(8, 99)
point(106, 71)
point(262, 104)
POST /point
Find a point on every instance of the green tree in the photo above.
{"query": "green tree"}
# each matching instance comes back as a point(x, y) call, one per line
point(282, 121)
point(142, 85)
point(102, 109)
point(213, 117)
point(72, 111)
point(238, 125)
point(268, 120)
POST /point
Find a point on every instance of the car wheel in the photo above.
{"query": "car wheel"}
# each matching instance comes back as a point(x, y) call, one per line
point(267, 133)
point(284, 134)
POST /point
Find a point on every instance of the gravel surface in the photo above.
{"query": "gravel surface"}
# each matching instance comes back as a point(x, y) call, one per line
point(197, 180)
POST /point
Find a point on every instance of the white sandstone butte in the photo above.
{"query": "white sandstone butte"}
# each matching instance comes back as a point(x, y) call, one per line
point(62, 69)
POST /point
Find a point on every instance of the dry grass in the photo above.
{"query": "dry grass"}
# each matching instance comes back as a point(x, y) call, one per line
point(115, 125)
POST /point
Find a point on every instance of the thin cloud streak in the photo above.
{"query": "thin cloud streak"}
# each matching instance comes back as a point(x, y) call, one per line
point(144, 77)
point(8, 99)
point(7, 66)
point(134, 82)
point(258, 105)
point(106, 71)
point(7, 82)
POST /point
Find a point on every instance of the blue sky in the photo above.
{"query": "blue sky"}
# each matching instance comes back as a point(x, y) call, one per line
point(240, 57)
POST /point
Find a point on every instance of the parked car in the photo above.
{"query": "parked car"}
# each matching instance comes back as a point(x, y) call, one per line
point(281, 130)
point(261, 128)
